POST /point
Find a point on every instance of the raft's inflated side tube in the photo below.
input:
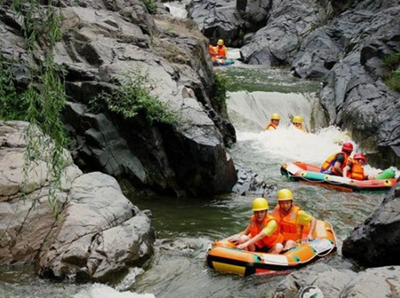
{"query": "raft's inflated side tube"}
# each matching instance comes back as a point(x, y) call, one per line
point(225, 63)
point(224, 257)
point(313, 176)
point(304, 173)
point(386, 174)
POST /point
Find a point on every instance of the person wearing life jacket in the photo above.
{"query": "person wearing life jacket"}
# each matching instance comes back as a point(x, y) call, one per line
point(292, 220)
point(354, 168)
point(335, 163)
point(262, 233)
point(213, 53)
point(273, 125)
point(297, 122)
point(222, 51)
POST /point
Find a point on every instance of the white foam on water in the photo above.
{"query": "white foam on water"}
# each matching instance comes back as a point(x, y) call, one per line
point(104, 291)
point(290, 144)
point(295, 145)
point(177, 9)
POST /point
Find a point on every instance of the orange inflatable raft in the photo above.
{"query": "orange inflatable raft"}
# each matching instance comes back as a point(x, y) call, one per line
point(223, 255)
point(309, 174)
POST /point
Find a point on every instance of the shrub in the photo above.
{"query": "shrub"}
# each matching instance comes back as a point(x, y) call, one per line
point(392, 76)
point(151, 6)
point(133, 97)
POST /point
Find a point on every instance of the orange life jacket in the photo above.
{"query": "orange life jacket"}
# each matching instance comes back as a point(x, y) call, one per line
point(271, 125)
point(255, 228)
point(212, 51)
point(222, 51)
point(356, 171)
point(330, 161)
point(288, 223)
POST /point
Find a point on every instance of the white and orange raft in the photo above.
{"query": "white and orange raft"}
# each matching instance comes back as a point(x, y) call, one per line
point(309, 174)
point(223, 255)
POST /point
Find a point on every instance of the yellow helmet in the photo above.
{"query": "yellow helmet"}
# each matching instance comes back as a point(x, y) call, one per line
point(220, 42)
point(275, 117)
point(260, 204)
point(297, 119)
point(284, 195)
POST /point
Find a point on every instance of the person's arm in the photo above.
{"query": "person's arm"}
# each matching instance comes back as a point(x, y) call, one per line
point(345, 170)
point(337, 166)
point(338, 163)
point(312, 229)
point(305, 219)
point(235, 238)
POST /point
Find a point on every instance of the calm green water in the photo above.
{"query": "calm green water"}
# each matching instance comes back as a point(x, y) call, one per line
point(185, 227)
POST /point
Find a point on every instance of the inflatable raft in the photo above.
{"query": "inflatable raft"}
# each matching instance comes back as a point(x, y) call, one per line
point(305, 173)
point(223, 62)
point(223, 255)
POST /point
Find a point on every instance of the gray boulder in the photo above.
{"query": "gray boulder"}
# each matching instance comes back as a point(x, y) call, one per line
point(97, 233)
point(102, 44)
point(332, 283)
point(375, 242)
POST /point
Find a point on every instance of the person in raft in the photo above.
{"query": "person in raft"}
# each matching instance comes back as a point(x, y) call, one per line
point(292, 220)
point(335, 163)
point(213, 53)
point(297, 122)
point(273, 125)
point(262, 233)
point(354, 168)
point(222, 51)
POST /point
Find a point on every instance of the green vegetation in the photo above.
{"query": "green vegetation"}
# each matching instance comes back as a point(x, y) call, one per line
point(11, 105)
point(44, 97)
point(392, 76)
point(132, 98)
point(151, 6)
point(219, 96)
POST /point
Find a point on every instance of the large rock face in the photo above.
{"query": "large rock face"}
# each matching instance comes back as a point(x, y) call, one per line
point(375, 242)
point(97, 233)
point(105, 42)
point(343, 44)
point(289, 22)
point(354, 94)
point(218, 20)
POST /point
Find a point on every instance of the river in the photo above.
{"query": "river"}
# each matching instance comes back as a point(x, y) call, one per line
point(185, 227)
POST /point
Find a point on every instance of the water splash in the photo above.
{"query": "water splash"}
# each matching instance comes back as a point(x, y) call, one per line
point(177, 9)
point(104, 291)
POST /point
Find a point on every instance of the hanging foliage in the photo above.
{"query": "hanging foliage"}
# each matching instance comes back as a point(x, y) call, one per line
point(44, 97)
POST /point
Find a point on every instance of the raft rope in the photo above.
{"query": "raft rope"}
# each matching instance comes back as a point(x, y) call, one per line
point(333, 246)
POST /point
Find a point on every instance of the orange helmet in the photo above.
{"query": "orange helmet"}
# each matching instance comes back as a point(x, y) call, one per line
point(360, 156)
point(347, 147)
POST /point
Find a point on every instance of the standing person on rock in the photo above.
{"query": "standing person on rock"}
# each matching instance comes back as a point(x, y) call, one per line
point(262, 233)
point(292, 220)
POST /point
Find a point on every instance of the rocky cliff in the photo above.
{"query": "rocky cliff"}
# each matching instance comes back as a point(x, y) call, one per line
point(105, 41)
point(340, 43)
